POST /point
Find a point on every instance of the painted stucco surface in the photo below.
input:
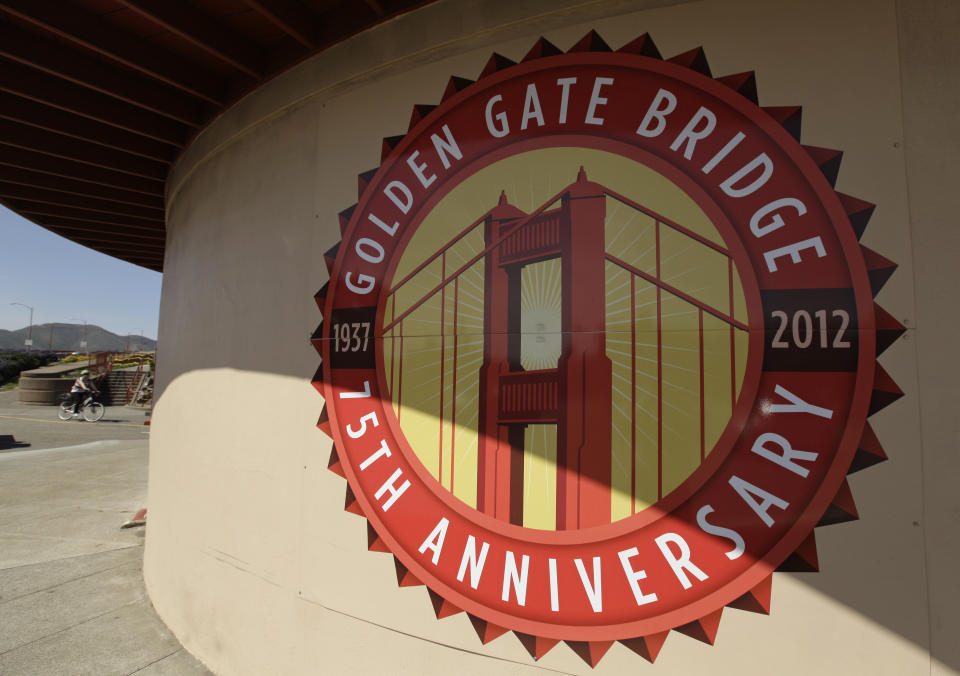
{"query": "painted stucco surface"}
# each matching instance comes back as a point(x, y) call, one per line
point(251, 559)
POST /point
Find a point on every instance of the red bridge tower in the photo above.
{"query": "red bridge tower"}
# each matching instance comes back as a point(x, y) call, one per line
point(575, 396)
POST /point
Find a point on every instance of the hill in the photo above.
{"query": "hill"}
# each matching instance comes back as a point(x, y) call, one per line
point(68, 337)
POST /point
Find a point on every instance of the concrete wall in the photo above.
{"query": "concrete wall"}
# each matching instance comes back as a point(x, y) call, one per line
point(250, 558)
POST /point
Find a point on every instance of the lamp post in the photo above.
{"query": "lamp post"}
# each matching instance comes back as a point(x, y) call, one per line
point(29, 341)
point(83, 343)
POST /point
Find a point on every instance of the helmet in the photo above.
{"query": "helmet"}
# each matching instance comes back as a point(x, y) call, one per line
point(84, 372)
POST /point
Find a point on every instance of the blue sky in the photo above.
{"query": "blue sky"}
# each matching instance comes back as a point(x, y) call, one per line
point(66, 282)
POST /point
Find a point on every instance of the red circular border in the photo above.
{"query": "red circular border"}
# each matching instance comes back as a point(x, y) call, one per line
point(861, 385)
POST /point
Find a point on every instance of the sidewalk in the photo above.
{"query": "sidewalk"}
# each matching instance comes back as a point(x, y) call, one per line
point(72, 599)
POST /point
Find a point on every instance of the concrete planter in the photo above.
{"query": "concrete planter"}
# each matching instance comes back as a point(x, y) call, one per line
point(42, 390)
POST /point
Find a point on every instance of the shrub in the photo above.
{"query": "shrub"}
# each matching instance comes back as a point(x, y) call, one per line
point(126, 360)
point(12, 363)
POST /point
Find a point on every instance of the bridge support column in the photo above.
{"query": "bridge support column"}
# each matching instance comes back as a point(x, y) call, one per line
point(584, 373)
point(500, 446)
point(585, 417)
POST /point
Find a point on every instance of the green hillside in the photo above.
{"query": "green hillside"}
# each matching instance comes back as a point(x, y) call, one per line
point(68, 337)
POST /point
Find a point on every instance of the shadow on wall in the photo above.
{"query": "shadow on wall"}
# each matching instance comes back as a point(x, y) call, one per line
point(858, 567)
point(557, 430)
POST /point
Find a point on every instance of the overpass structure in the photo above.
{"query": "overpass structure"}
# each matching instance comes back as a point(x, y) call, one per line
point(99, 98)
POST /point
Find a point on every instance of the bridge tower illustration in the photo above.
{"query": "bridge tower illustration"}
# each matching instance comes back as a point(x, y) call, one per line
point(648, 366)
point(574, 396)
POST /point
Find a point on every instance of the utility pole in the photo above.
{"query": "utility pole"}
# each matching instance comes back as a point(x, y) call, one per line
point(29, 341)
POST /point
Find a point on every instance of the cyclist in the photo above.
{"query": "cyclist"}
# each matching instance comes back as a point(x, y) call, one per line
point(82, 386)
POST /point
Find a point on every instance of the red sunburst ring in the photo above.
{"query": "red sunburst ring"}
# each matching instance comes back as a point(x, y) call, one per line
point(800, 389)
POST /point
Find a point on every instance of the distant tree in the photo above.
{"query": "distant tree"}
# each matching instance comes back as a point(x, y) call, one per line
point(12, 363)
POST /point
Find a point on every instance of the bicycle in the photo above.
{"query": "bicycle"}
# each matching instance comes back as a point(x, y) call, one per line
point(91, 409)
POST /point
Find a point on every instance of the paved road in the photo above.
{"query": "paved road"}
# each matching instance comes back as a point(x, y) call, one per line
point(25, 426)
point(72, 599)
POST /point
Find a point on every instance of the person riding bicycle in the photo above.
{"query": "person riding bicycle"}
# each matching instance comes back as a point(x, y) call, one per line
point(82, 386)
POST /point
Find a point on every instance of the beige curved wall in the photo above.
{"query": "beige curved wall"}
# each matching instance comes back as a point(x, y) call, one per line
point(250, 558)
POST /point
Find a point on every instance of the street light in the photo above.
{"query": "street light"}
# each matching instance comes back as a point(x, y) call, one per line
point(29, 341)
point(83, 343)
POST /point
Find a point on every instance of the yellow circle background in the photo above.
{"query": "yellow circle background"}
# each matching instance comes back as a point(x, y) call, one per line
point(424, 376)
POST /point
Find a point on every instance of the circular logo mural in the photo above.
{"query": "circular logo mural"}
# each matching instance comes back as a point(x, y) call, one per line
point(599, 348)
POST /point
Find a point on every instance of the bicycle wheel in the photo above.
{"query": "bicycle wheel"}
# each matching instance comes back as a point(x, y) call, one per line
point(93, 411)
point(66, 410)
